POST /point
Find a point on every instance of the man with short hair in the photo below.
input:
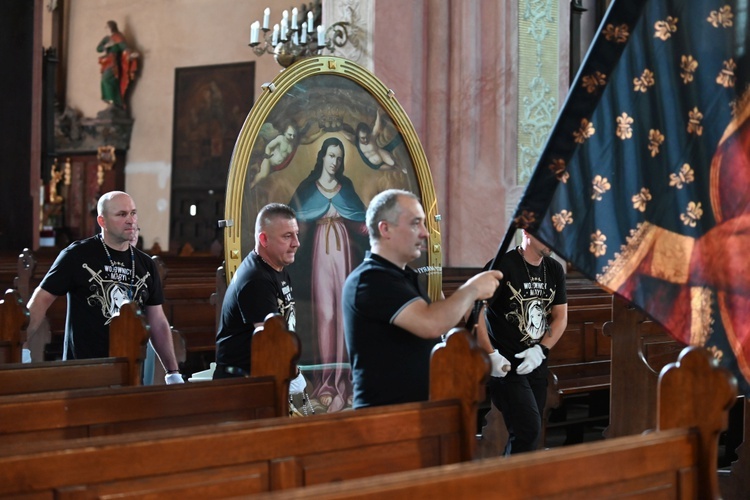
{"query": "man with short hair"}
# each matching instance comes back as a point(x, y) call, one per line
point(522, 323)
point(260, 286)
point(98, 274)
point(390, 323)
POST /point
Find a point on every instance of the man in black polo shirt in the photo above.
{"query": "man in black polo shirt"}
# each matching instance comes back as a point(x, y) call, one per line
point(389, 322)
point(260, 286)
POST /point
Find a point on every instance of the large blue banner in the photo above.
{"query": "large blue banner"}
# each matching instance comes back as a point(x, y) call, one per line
point(644, 184)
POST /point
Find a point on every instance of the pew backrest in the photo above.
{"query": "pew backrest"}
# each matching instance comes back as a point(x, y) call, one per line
point(103, 411)
point(633, 467)
point(127, 349)
point(678, 460)
point(271, 453)
point(100, 412)
point(13, 320)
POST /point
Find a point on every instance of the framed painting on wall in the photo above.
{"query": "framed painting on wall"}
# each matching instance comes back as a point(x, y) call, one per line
point(210, 106)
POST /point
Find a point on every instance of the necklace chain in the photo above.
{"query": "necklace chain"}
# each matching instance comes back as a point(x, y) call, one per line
point(112, 265)
point(327, 190)
point(544, 269)
point(264, 260)
point(544, 278)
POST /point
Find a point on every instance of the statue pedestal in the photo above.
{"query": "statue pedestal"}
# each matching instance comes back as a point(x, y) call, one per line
point(74, 133)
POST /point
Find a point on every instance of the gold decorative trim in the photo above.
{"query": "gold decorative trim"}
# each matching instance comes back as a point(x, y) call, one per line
point(271, 95)
point(671, 259)
point(701, 321)
point(629, 258)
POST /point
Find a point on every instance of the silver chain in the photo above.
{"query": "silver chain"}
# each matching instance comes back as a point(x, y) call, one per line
point(112, 265)
point(544, 277)
point(544, 268)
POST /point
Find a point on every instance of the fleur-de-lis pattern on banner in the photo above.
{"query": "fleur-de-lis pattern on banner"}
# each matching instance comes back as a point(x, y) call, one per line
point(630, 157)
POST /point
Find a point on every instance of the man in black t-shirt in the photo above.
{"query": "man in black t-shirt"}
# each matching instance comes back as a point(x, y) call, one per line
point(390, 324)
point(260, 286)
point(98, 274)
point(524, 320)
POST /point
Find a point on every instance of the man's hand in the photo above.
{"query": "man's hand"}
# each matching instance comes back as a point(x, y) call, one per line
point(173, 378)
point(500, 365)
point(485, 283)
point(532, 358)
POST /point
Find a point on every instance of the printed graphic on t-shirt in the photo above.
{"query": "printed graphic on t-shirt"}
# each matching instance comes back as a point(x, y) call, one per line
point(110, 294)
point(531, 310)
point(286, 306)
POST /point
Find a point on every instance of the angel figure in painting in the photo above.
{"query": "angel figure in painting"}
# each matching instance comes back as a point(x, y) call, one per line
point(367, 140)
point(278, 153)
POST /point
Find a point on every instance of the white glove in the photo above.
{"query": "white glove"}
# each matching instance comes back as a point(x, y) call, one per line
point(500, 365)
point(532, 358)
point(297, 385)
point(173, 378)
point(25, 356)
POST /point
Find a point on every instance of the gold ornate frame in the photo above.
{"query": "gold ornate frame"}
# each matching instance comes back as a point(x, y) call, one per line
point(248, 144)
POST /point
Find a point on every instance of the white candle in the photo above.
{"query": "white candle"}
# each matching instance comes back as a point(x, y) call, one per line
point(321, 36)
point(294, 18)
point(254, 32)
point(310, 27)
point(266, 18)
point(275, 35)
point(284, 26)
point(304, 37)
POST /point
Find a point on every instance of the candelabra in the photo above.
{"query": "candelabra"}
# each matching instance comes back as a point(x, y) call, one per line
point(290, 40)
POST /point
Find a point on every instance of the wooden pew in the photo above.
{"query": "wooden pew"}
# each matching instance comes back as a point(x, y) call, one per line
point(270, 454)
point(189, 290)
point(8, 262)
point(187, 302)
point(640, 348)
point(13, 320)
point(676, 461)
point(99, 412)
point(128, 337)
point(735, 480)
point(31, 267)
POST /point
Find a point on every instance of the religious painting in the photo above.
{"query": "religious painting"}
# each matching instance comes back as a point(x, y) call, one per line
point(211, 103)
point(325, 137)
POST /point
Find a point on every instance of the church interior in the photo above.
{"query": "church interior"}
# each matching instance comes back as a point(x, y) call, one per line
point(473, 87)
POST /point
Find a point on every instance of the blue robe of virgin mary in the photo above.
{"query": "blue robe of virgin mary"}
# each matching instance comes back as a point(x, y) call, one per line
point(311, 205)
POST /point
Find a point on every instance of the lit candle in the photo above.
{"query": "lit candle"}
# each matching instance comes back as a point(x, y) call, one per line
point(275, 35)
point(321, 36)
point(266, 18)
point(303, 40)
point(294, 18)
point(310, 21)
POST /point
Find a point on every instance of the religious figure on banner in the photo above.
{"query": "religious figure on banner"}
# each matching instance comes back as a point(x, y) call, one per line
point(704, 283)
